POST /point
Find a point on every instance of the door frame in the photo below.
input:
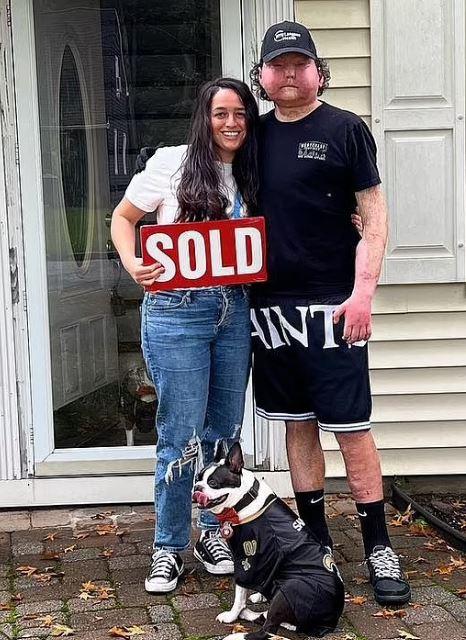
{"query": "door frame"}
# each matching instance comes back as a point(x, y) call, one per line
point(47, 460)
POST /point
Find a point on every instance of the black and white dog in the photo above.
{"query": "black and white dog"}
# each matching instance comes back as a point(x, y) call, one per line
point(275, 553)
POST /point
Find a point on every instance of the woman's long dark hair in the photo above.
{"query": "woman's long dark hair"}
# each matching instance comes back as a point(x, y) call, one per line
point(199, 191)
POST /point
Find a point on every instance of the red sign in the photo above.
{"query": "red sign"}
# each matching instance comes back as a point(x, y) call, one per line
point(206, 254)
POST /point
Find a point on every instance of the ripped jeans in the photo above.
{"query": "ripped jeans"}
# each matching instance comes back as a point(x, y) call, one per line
point(196, 344)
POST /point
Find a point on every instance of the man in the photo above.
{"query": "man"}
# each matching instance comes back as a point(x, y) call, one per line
point(312, 319)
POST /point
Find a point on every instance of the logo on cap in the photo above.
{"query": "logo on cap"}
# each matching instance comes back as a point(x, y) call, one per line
point(281, 35)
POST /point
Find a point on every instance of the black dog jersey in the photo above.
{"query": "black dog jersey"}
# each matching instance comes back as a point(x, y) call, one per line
point(277, 551)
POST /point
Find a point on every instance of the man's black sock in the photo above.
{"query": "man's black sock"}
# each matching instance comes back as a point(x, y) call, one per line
point(373, 525)
point(311, 509)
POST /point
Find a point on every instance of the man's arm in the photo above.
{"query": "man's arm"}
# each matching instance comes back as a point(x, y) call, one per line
point(369, 255)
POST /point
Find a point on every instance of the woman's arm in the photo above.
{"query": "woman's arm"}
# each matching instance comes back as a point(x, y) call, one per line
point(124, 220)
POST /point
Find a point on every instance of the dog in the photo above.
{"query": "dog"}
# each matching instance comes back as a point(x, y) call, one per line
point(274, 552)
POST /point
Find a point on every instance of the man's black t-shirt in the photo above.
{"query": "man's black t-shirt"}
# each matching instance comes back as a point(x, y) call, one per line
point(309, 171)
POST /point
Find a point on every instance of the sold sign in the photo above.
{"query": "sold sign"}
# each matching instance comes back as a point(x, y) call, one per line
point(206, 254)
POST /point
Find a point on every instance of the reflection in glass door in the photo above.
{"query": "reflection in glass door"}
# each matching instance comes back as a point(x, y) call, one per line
point(113, 76)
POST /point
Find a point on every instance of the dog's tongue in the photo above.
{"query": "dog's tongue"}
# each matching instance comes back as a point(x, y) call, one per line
point(201, 498)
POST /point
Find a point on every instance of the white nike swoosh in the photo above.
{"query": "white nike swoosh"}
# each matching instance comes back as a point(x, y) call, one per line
point(363, 514)
point(313, 501)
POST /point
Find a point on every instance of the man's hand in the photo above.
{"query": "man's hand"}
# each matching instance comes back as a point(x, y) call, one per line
point(358, 320)
point(145, 276)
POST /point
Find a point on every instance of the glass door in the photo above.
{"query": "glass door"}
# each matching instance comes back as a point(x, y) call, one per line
point(110, 77)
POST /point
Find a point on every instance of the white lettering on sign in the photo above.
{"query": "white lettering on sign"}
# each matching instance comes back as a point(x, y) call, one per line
point(153, 250)
point(218, 269)
point(241, 235)
point(192, 253)
point(195, 239)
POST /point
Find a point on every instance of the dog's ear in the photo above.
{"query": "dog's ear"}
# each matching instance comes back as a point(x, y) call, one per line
point(220, 451)
point(234, 460)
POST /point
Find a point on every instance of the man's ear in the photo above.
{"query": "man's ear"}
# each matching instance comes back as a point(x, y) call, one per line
point(234, 460)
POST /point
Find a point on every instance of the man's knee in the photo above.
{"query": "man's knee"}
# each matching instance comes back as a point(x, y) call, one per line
point(355, 441)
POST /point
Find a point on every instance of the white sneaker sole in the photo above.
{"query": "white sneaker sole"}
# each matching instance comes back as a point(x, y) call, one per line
point(215, 569)
point(162, 587)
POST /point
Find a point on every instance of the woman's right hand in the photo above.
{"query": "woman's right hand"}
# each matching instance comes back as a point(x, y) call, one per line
point(144, 275)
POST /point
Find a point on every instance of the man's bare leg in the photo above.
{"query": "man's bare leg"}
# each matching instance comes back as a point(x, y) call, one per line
point(307, 469)
point(365, 480)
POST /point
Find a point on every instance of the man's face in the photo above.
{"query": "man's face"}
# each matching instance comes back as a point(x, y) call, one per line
point(291, 80)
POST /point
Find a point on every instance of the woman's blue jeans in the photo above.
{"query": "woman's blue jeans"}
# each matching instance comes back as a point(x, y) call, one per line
point(196, 344)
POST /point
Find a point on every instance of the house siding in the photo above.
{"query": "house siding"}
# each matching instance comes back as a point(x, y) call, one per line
point(418, 348)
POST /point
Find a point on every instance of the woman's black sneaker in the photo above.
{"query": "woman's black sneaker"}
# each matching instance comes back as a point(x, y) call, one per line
point(386, 577)
point(165, 569)
point(214, 553)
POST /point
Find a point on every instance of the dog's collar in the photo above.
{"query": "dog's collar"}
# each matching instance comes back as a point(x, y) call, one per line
point(249, 497)
point(230, 516)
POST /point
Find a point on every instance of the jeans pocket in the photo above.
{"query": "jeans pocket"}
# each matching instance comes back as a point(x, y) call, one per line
point(167, 300)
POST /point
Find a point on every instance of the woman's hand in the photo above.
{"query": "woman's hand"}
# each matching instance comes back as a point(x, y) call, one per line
point(144, 275)
point(357, 221)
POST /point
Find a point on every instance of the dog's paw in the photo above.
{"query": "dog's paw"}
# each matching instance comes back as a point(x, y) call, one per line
point(257, 598)
point(250, 616)
point(227, 617)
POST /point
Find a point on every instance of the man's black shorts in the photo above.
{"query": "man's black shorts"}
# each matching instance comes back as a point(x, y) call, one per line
point(303, 369)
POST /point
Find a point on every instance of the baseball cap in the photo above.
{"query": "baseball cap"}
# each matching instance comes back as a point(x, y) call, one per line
point(287, 37)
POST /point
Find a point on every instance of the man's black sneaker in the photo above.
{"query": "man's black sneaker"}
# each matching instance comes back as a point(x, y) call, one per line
point(165, 569)
point(214, 553)
point(386, 577)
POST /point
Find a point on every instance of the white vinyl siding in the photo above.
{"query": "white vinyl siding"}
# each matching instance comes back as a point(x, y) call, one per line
point(341, 30)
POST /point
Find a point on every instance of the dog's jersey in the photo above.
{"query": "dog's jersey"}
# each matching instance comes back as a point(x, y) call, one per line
point(278, 551)
point(261, 546)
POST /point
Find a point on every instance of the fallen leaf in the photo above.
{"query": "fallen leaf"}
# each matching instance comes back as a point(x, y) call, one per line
point(415, 605)
point(224, 584)
point(105, 595)
point(81, 536)
point(6, 606)
point(419, 559)
point(136, 631)
point(105, 529)
point(444, 571)
point(359, 600)
point(239, 628)
point(72, 548)
point(85, 595)
point(45, 621)
point(458, 563)
point(51, 537)
point(390, 613)
point(406, 635)
point(88, 586)
point(107, 553)
point(61, 630)
point(461, 593)
point(126, 632)
point(360, 580)
point(26, 570)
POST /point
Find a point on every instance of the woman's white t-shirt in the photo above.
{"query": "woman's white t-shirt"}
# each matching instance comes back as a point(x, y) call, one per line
point(154, 189)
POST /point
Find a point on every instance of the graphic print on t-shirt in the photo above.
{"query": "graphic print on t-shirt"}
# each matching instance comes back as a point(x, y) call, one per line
point(313, 150)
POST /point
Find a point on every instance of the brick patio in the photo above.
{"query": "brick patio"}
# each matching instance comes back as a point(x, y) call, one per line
point(80, 573)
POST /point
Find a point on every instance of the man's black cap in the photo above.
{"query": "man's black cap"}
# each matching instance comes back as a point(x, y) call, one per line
point(287, 37)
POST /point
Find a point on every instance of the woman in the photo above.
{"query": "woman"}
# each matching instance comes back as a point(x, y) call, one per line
point(196, 343)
